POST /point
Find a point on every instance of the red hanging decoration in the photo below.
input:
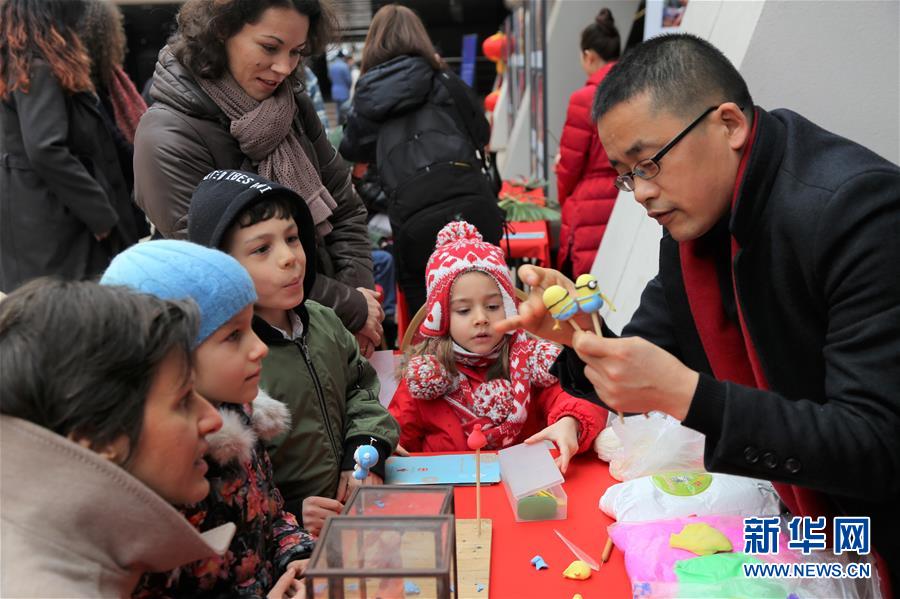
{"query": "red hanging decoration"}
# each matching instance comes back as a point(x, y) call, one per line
point(490, 100)
point(494, 47)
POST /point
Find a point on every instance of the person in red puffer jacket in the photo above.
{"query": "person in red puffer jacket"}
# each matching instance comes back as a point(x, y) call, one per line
point(583, 175)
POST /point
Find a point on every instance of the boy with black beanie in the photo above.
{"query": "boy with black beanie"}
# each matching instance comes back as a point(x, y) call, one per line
point(314, 365)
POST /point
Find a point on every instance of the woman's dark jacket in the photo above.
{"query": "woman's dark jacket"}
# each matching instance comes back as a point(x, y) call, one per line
point(185, 135)
point(407, 89)
point(60, 185)
point(423, 144)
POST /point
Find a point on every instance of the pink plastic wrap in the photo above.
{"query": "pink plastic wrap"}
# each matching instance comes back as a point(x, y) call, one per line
point(648, 557)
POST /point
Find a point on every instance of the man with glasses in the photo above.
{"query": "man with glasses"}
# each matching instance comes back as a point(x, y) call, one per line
point(773, 325)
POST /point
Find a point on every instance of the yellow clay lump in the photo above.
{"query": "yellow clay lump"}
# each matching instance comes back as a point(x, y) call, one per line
point(700, 538)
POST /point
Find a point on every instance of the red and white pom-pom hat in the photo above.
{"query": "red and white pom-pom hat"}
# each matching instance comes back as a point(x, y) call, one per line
point(460, 249)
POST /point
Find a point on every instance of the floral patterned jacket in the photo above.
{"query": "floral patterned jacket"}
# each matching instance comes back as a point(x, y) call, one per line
point(243, 491)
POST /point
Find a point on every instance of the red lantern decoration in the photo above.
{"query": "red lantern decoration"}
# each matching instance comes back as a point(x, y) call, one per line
point(494, 47)
point(490, 101)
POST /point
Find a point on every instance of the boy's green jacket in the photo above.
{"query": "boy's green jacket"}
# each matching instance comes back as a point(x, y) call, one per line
point(332, 393)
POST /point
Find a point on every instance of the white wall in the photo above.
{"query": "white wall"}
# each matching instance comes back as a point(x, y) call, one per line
point(628, 257)
point(836, 63)
point(515, 160)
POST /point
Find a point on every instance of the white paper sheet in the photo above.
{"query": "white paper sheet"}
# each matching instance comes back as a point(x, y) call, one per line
point(385, 363)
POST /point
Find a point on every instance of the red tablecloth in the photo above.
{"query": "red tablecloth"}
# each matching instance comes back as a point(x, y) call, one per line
point(515, 543)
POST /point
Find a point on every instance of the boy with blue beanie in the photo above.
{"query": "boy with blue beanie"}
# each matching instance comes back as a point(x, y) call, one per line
point(227, 363)
point(170, 269)
point(314, 365)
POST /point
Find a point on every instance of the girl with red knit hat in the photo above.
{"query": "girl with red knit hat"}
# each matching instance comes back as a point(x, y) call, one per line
point(462, 372)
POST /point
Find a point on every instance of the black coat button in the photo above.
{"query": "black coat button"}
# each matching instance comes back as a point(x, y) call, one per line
point(770, 460)
point(751, 454)
point(792, 465)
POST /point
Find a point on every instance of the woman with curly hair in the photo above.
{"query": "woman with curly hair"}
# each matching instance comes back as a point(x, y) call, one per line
point(64, 206)
point(228, 94)
point(121, 105)
point(103, 35)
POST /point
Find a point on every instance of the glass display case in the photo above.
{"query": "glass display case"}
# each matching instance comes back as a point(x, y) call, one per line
point(400, 500)
point(384, 556)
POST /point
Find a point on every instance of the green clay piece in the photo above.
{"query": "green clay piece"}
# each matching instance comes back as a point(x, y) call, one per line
point(700, 538)
point(712, 569)
point(721, 575)
point(536, 507)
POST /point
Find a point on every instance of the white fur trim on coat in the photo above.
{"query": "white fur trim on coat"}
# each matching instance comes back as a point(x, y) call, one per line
point(235, 440)
point(270, 416)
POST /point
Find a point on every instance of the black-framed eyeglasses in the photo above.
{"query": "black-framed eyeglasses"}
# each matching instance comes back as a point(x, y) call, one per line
point(649, 167)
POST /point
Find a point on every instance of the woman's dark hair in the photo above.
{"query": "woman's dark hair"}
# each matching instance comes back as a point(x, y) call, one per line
point(42, 29)
point(103, 35)
point(79, 358)
point(396, 31)
point(205, 25)
point(602, 37)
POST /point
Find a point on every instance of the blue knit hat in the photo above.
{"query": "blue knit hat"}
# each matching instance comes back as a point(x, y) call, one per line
point(175, 270)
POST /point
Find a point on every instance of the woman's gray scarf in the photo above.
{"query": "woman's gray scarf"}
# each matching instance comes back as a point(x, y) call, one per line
point(266, 135)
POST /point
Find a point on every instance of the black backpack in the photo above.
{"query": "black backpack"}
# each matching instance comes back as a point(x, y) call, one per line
point(467, 196)
point(443, 190)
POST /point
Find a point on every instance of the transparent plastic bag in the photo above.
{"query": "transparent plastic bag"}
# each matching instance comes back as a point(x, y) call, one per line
point(679, 494)
point(652, 444)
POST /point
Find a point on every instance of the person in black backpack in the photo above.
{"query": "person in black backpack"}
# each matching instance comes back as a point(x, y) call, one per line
point(424, 131)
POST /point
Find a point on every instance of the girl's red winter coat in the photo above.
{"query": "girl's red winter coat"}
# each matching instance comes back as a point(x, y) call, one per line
point(433, 425)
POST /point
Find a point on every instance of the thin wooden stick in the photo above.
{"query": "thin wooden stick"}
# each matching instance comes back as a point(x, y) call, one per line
point(597, 328)
point(478, 489)
point(575, 326)
point(476, 441)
